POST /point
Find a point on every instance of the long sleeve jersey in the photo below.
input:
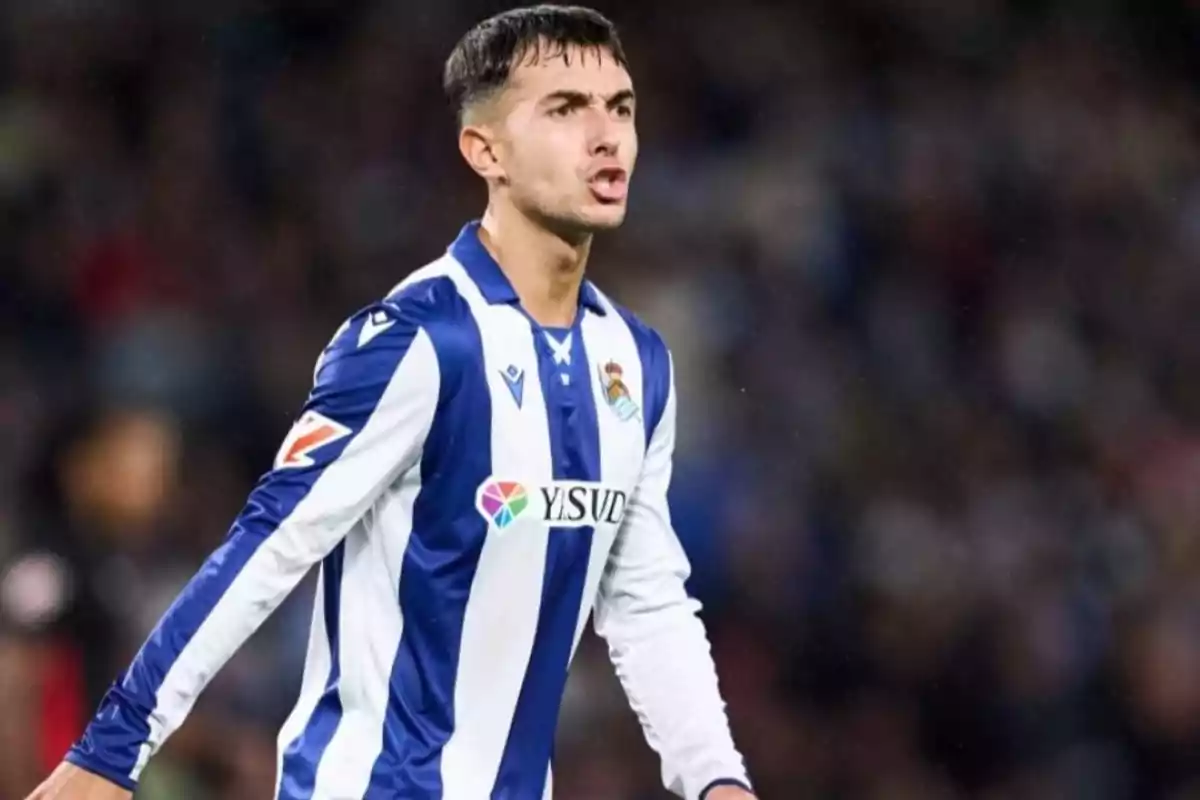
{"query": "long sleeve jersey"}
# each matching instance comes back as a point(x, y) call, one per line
point(473, 487)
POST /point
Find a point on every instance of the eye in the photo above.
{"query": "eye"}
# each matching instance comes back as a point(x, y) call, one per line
point(624, 111)
point(565, 110)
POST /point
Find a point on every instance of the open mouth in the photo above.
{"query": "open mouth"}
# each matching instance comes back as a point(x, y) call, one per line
point(609, 185)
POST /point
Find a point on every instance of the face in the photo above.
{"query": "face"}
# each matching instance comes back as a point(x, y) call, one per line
point(565, 140)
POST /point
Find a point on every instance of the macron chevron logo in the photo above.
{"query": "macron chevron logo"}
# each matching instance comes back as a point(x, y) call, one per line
point(514, 377)
point(374, 325)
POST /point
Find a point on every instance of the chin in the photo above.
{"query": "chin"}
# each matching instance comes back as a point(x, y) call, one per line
point(603, 218)
point(584, 221)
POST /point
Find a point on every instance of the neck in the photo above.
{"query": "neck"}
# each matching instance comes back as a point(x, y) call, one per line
point(545, 270)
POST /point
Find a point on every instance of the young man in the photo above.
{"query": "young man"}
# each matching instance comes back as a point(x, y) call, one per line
point(482, 463)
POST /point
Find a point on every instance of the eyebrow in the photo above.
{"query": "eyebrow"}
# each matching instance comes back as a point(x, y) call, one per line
point(583, 98)
point(618, 98)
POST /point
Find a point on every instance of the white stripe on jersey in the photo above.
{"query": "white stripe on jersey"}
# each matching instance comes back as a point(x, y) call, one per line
point(369, 633)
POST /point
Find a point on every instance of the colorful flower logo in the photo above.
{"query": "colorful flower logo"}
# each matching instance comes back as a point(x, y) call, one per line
point(502, 501)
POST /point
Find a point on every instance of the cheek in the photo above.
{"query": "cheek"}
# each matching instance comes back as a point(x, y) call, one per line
point(549, 158)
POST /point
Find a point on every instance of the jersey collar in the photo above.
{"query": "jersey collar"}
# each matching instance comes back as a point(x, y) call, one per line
point(492, 283)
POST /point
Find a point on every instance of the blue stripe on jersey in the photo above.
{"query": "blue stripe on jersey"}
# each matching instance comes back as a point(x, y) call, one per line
point(656, 370)
point(299, 774)
point(575, 450)
point(347, 389)
point(439, 564)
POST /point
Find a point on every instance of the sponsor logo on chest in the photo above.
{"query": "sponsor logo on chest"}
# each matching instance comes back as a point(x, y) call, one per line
point(558, 504)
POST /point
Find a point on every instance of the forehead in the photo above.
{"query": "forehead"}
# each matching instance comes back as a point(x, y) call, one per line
point(552, 68)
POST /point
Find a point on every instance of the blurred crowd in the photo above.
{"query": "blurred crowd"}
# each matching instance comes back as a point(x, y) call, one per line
point(931, 274)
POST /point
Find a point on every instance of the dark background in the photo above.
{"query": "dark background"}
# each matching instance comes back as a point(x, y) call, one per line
point(931, 273)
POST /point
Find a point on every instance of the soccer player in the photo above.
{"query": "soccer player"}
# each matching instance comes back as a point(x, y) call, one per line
point(481, 465)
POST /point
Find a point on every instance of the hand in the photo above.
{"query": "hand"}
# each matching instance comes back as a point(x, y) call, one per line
point(728, 793)
point(69, 782)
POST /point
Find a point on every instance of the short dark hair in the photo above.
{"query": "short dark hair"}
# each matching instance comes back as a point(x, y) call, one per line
point(483, 59)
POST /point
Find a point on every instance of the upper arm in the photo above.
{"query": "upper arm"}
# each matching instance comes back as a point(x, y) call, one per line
point(374, 394)
point(376, 390)
point(364, 421)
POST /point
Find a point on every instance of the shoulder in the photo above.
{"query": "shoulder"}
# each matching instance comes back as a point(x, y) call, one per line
point(429, 295)
point(422, 317)
point(652, 346)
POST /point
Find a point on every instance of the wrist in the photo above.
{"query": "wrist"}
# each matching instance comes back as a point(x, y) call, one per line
point(727, 789)
point(728, 793)
point(89, 762)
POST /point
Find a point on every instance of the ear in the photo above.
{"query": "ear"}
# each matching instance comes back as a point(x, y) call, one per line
point(479, 147)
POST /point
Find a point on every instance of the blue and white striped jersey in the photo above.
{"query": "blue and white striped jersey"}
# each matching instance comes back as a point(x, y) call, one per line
point(474, 487)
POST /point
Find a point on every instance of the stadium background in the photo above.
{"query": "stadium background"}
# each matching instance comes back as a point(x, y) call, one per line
point(931, 272)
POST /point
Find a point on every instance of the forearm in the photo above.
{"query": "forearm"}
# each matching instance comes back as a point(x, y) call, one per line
point(664, 662)
point(227, 600)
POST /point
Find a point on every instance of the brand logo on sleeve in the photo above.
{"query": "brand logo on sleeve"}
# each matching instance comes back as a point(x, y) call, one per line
point(373, 325)
point(310, 433)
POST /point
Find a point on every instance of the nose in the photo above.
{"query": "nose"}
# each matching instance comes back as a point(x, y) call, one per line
point(603, 140)
point(606, 148)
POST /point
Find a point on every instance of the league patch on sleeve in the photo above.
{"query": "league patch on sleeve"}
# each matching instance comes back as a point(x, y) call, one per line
point(310, 433)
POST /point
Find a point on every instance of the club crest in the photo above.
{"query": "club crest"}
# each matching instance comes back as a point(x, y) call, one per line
point(616, 393)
